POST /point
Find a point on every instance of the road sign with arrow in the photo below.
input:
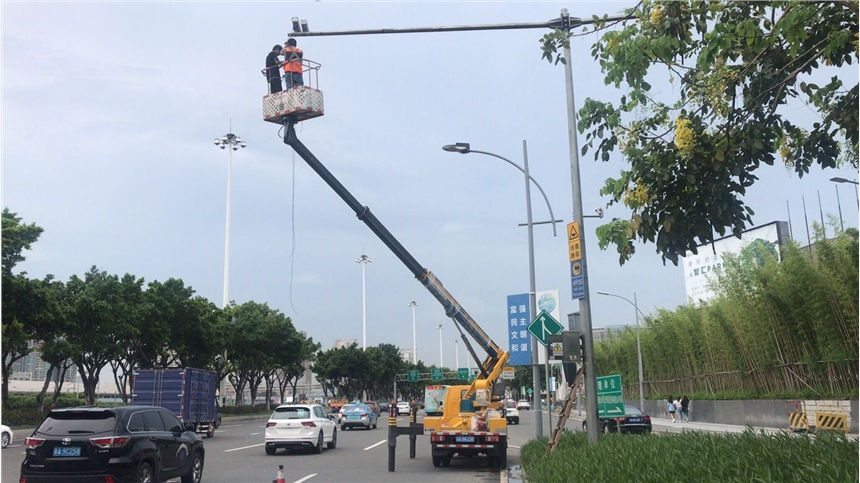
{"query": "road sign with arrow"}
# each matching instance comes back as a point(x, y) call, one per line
point(543, 326)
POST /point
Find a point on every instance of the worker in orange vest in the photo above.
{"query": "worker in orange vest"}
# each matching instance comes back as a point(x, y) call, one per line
point(293, 64)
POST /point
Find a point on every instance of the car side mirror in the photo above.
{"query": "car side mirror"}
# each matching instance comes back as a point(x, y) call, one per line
point(332, 417)
point(190, 427)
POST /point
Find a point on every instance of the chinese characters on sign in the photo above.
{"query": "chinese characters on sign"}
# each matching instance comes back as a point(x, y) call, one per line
point(519, 341)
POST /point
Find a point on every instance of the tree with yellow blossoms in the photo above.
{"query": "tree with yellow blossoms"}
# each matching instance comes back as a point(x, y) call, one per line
point(734, 66)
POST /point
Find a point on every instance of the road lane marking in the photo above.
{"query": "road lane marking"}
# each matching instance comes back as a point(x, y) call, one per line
point(306, 478)
point(512, 446)
point(375, 445)
point(245, 447)
point(253, 434)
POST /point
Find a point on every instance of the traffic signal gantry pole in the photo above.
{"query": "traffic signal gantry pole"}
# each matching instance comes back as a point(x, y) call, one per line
point(565, 22)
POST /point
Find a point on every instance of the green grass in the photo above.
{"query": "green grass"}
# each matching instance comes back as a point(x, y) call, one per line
point(693, 456)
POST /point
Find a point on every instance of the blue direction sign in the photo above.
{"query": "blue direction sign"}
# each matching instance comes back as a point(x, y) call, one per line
point(610, 403)
point(436, 374)
point(543, 326)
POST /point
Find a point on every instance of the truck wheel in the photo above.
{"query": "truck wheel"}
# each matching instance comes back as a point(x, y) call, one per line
point(503, 459)
point(437, 461)
point(446, 461)
point(491, 461)
point(210, 432)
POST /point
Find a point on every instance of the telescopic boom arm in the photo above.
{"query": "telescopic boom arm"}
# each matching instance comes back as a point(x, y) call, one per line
point(491, 369)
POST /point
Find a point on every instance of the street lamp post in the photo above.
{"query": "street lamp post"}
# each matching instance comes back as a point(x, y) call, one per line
point(363, 260)
point(456, 353)
point(465, 148)
point(837, 179)
point(440, 327)
point(414, 304)
point(233, 142)
point(638, 344)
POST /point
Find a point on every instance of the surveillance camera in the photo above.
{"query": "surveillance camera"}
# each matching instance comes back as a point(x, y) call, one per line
point(599, 211)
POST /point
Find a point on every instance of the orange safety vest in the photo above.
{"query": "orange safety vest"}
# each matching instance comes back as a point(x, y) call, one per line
point(293, 56)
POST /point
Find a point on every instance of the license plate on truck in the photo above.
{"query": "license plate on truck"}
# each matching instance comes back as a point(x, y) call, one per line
point(464, 439)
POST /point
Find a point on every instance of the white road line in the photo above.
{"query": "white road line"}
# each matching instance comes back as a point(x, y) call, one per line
point(245, 447)
point(253, 434)
point(306, 478)
point(375, 445)
point(512, 446)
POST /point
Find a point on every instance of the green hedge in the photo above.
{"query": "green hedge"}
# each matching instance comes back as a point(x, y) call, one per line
point(20, 410)
point(694, 456)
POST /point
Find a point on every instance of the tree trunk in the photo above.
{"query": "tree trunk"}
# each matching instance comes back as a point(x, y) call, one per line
point(59, 385)
point(40, 398)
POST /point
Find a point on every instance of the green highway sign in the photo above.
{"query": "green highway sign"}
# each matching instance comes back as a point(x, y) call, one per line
point(463, 374)
point(609, 399)
point(436, 374)
point(543, 326)
point(412, 376)
point(530, 391)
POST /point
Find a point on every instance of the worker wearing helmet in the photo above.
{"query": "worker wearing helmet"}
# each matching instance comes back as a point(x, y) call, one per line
point(293, 64)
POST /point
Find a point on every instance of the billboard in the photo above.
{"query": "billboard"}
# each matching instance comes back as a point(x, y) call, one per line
point(519, 339)
point(700, 269)
point(518, 320)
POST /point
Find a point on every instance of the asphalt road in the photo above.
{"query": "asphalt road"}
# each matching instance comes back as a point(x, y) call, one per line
point(236, 455)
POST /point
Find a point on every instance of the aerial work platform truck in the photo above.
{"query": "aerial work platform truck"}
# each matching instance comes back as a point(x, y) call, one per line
point(472, 421)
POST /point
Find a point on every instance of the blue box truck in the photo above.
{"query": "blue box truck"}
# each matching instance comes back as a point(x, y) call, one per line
point(189, 393)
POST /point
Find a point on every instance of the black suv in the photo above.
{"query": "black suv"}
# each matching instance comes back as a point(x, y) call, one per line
point(135, 444)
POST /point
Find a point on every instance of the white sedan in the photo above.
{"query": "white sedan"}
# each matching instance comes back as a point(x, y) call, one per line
point(6, 434)
point(300, 426)
point(524, 404)
point(403, 408)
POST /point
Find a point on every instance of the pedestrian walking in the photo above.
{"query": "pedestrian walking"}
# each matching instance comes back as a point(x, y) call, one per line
point(670, 407)
point(293, 64)
point(685, 408)
point(273, 69)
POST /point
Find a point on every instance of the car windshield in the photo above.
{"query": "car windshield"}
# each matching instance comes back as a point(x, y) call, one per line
point(63, 423)
point(348, 407)
point(357, 408)
point(511, 404)
point(632, 411)
point(402, 403)
point(291, 413)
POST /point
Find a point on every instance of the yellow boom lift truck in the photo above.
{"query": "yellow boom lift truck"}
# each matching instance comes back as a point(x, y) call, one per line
point(472, 422)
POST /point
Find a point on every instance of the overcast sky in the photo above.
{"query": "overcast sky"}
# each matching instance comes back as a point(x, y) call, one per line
point(110, 111)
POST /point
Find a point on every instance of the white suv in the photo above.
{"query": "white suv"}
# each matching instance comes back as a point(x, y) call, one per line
point(300, 426)
point(524, 404)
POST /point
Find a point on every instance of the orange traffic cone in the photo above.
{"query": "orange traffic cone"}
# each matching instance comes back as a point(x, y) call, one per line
point(280, 478)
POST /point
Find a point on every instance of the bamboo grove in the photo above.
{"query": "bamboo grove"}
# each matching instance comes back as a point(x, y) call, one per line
point(782, 329)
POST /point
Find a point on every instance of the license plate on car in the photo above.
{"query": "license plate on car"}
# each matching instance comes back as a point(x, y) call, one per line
point(67, 451)
point(635, 420)
point(464, 439)
point(353, 417)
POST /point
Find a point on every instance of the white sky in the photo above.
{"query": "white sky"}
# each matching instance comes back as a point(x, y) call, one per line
point(109, 112)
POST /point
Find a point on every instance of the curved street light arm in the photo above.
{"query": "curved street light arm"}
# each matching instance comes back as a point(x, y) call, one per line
point(626, 300)
point(551, 216)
